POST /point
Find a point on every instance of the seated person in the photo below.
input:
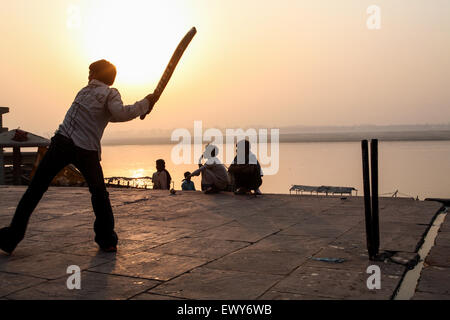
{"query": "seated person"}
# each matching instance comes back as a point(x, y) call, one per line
point(161, 178)
point(187, 184)
point(245, 170)
point(214, 173)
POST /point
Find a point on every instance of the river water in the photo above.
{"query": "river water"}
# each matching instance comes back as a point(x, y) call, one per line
point(415, 168)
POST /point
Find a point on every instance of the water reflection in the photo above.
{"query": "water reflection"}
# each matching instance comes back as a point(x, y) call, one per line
point(414, 168)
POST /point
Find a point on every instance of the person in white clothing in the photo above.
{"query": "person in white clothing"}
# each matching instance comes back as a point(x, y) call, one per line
point(214, 174)
point(77, 142)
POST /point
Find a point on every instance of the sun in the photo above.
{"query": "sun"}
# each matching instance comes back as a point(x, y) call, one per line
point(138, 173)
point(137, 36)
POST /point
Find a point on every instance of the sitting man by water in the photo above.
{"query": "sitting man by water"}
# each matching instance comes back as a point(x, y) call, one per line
point(214, 174)
point(245, 170)
point(161, 178)
point(77, 142)
point(187, 184)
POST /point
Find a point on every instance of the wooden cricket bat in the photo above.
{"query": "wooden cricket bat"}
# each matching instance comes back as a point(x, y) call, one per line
point(173, 63)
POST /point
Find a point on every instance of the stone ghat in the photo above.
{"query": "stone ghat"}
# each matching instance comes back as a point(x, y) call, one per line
point(196, 246)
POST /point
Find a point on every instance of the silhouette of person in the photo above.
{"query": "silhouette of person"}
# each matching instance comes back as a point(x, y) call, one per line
point(187, 184)
point(245, 169)
point(77, 142)
point(161, 178)
point(214, 174)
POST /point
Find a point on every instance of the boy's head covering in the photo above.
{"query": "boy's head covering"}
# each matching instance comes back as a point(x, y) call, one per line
point(160, 162)
point(104, 71)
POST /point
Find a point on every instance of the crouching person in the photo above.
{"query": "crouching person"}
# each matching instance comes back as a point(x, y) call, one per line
point(245, 170)
point(214, 174)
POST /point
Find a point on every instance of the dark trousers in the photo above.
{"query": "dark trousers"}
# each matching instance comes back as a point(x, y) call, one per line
point(246, 176)
point(62, 152)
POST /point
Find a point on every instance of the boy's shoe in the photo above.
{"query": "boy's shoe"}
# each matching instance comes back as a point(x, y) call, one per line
point(109, 249)
point(258, 192)
point(6, 244)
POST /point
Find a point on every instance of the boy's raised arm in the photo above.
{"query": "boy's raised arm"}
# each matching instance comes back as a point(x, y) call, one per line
point(121, 113)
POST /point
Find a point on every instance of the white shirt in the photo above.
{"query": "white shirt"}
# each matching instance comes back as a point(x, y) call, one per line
point(93, 108)
point(218, 170)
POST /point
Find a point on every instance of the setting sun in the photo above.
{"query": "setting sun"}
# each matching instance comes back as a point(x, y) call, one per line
point(138, 173)
point(137, 36)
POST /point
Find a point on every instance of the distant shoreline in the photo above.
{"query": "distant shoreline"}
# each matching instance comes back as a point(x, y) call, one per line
point(433, 135)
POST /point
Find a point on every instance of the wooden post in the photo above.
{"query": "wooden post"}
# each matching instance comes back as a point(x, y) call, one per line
point(2, 168)
point(375, 206)
point(17, 166)
point(3, 110)
point(367, 204)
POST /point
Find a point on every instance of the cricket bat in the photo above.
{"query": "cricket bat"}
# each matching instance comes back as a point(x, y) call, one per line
point(173, 63)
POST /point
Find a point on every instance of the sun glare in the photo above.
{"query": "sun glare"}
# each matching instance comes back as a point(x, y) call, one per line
point(139, 37)
point(138, 173)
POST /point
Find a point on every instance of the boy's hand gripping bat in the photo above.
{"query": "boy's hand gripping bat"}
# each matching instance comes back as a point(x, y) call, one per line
point(172, 65)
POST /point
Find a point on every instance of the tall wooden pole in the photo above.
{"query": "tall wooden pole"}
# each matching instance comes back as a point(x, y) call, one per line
point(2, 168)
point(367, 204)
point(3, 110)
point(17, 166)
point(375, 206)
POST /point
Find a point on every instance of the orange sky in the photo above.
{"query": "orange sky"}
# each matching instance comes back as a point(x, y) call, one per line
point(252, 62)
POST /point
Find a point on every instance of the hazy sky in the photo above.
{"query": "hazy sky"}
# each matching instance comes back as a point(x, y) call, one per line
point(252, 62)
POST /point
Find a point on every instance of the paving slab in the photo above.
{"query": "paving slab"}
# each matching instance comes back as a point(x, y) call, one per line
point(430, 296)
point(94, 286)
point(276, 295)
point(237, 232)
point(150, 265)
point(435, 280)
point(10, 283)
point(201, 247)
point(439, 256)
point(204, 283)
point(313, 229)
point(156, 234)
point(62, 238)
point(125, 248)
point(335, 283)
point(302, 245)
point(150, 296)
point(445, 227)
point(353, 258)
point(48, 265)
point(259, 261)
point(443, 238)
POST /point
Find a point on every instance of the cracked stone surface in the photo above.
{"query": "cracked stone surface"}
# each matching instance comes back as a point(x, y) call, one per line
point(196, 246)
point(434, 282)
